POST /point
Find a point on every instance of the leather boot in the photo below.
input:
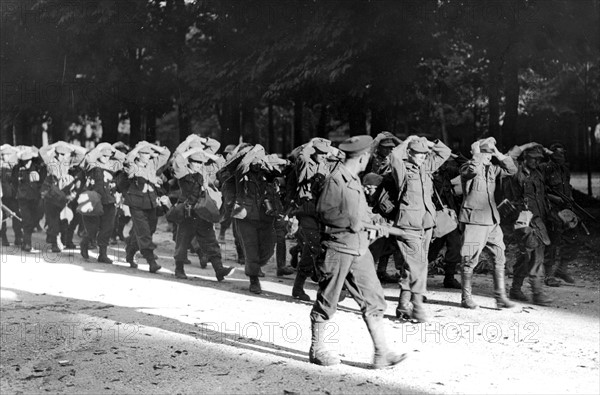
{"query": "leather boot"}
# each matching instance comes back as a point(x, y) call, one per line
point(220, 271)
point(130, 256)
point(515, 290)
point(467, 282)
point(318, 353)
point(418, 313)
point(550, 270)
point(382, 357)
point(150, 258)
point(405, 307)
point(539, 297)
point(562, 272)
point(83, 248)
point(255, 285)
point(103, 257)
point(298, 289)
point(179, 271)
point(26, 245)
point(451, 283)
point(500, 290)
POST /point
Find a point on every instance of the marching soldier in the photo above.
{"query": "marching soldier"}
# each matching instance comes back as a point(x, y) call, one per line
point(142, 166)
point(27, 176)
point(342, 207)
point(563, 249)
point(58, 187)
point(529, 192)
point(226, 223)
point(102, 164)
point(480, 219)
point(194, 169)
point(9, 159)
point(412, 162)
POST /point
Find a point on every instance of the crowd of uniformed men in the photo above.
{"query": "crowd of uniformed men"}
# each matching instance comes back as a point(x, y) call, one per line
point(356, 206)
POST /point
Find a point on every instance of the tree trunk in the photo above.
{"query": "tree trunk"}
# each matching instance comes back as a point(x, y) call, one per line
point(271, 128)
point(494, 98)
point(357, 117)
point(298, 115)
point(109, 115)
point(442, 119)
point(228, 114)
point(322, 125)
point(511, 92)
point(151, 125)
point(135, 123)
point(249, 133)
point(379, 120)
point(183, 121)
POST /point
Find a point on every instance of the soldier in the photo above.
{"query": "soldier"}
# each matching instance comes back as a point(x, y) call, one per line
point(58, 187)
point(383, 145)
point(142, 165)
point(27, 176)
point(310, 170)
point(412, 163)
point(342, 207)
point(226, 223)
point(529, 193)
point(102, 164)
point(564, 241)
point(480, 219)
point(194, 169)
point(256, 210)
point(9, 159)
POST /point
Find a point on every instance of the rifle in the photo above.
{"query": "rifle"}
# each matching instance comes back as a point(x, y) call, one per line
point(576, 208)
point(391, 230)
point(10, 213)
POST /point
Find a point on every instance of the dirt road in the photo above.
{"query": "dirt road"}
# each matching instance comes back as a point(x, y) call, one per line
point(70, 326)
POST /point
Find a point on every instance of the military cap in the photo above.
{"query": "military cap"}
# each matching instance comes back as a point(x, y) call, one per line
point(419, 145)
point(105, 149)
point(145, 149)
point(372, 179)
point(534, 152)
point(198, 157)
point(486, 147)
point(568, 217)
point(556, 146)
point(63, 149)
point(356, 146)
point(387, 142)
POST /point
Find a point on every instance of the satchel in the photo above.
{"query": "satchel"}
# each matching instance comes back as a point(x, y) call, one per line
point(176, 213)
point(445, 219)
point(90, 203)
point(206, 208)
point(56, 197)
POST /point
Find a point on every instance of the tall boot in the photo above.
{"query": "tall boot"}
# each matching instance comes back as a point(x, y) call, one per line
point(500, 290)
point(467, 282)
point(298, 289)
point(382, 357)
point(550, 269)
point(130, 255)
point(102, 255)
point(449, 280)
point(26, 245)
point(150, 258)
point(221, 271)
point(54, 245)
point(405, 307)
point(179, 271)
point(83, 248)
point(515, 290)
point(562, 272)
point(255, 285)
point(418, 309)
point(539, 297)
point(318, 353)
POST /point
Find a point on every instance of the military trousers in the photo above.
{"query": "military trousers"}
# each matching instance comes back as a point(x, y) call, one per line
point(144, 223)
point(414, 249)
point(100, 227)
point(29, 210)
point(357, 274)
point(207, 240)
point(477, 237)
point(52, 214)
point(258, 241)
point(310, 233)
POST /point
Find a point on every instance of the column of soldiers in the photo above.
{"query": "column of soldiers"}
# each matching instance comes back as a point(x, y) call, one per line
point(347, 228)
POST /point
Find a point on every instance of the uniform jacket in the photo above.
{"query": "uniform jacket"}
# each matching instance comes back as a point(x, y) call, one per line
point(141, 193)
point(479, 184)
point(341, 206)
point(251, 192)
point(27, 190)
point(416, 209)
point(104, 182)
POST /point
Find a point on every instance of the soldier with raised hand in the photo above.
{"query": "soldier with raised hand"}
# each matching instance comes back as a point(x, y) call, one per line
point(142, 166)
point(28, 176)
point(8, 160)
point(102, 163)
point(412, 164)
point(195, 169)
point(480, 219)
point(342, 208)
point(529, 193)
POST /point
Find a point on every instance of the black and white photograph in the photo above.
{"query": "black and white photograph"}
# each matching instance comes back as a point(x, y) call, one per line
point(300, 197)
